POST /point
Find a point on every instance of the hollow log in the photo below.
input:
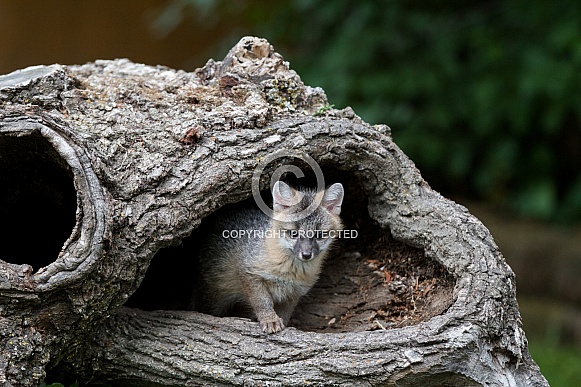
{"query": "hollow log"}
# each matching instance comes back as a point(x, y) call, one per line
point(111, 168)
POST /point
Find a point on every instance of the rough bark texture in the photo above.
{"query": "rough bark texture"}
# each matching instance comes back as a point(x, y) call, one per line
point(149, 153)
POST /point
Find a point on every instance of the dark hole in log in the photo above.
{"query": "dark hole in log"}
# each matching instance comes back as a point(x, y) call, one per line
point(368, 283)
point(37, 201)
point(170, 278)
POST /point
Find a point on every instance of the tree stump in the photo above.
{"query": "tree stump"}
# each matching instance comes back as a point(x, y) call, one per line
point(109, 170)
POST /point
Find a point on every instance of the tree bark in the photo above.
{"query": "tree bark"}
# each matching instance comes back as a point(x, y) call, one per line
point(148, 153)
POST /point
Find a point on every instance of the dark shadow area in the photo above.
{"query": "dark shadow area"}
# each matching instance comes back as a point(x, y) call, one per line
point(38, 201)
point(368, 282)
point(164, 287)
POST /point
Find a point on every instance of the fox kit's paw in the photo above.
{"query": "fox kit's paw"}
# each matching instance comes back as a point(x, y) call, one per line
point(272, 325)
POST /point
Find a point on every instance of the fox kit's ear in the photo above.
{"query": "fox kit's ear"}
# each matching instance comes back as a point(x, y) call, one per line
point(333, 198)
point(284, 196)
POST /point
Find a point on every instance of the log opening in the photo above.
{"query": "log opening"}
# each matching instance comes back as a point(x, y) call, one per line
point(370, 282)
point(37, 200)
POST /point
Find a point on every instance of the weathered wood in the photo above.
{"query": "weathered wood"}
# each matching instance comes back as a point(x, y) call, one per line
point(180, 348)
point(151, 152)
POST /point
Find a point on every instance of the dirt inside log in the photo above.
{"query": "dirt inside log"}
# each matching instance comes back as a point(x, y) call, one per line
point(374, 283)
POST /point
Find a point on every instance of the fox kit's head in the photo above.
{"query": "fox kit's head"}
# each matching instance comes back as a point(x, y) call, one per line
point(306, 221)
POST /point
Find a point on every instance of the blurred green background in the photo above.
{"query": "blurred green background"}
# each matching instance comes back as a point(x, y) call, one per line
point(485, 97)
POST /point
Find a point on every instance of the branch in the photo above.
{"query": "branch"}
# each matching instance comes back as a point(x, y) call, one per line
point(185, 348)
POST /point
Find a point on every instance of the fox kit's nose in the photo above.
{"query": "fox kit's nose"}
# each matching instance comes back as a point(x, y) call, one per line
point(306, 255)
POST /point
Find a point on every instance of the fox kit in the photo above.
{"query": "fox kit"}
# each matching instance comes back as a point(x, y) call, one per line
point(272, 261)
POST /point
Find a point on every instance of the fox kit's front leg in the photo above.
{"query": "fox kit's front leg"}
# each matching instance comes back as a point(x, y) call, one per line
point(285, 309)
point(262, 304)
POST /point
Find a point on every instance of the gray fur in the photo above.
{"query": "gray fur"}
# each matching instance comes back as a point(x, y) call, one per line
point(266, 276)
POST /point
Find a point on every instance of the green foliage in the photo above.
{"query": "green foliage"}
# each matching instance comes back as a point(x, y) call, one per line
point(484, 97)
point(558, 364)
point(323, 109)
